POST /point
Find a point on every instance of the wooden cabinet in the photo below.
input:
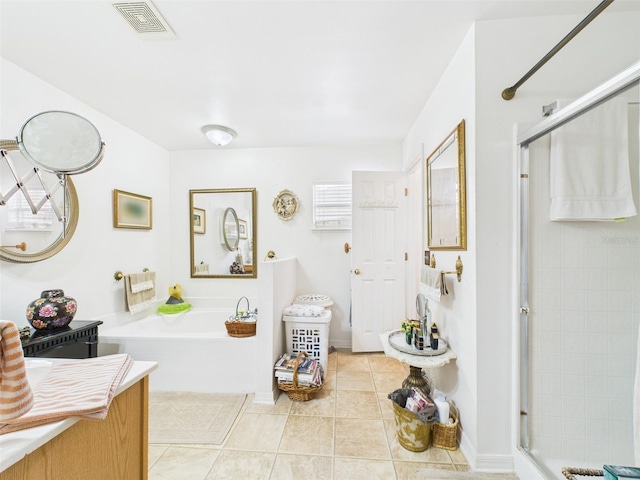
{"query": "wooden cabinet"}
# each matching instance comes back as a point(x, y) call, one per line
point(78, 340)
point(110, 449)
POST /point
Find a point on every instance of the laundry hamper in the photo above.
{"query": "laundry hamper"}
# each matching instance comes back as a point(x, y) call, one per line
point(445, 435)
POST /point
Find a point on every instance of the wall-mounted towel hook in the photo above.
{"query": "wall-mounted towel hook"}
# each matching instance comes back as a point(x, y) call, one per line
point(457, 271)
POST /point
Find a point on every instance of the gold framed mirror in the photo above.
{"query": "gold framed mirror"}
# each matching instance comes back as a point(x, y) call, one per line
point(446, 193)
point(223, 233)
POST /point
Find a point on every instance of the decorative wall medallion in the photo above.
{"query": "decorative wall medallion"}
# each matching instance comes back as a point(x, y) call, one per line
point(285, 204)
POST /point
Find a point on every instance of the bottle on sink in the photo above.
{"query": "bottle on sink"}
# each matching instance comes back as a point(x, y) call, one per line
point(434, 336)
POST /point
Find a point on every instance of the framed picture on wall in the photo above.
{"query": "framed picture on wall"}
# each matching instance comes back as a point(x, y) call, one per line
point(242, 229)
point(131, 210)
point(199, 221)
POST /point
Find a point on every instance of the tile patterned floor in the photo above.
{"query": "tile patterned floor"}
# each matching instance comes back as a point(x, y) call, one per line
point(346, 432)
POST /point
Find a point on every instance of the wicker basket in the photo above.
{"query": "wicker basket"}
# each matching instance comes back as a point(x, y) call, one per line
point(242, 324)
point(295, 392)
point(238, 328)
point(571, 472)
point(446, 435)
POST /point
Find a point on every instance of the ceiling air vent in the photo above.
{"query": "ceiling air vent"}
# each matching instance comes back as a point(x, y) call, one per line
point(145, 19)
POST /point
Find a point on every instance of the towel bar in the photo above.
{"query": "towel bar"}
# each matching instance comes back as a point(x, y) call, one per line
point(457, 271)
point(118, 275)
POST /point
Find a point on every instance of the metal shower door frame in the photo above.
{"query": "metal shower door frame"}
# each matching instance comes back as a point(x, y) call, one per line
point(624, 80)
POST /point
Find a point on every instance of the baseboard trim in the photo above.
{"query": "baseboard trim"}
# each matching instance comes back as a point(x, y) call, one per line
point(266, 398)
point(486, 463)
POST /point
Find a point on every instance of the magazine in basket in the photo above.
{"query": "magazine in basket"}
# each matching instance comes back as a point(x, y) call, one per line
point(309, 370)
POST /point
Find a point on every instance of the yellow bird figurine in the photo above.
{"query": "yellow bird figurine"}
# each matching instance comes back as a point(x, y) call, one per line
point(175, 294)
point(175, 303)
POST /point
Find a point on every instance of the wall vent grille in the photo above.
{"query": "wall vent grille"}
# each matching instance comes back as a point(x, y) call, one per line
point(144, 18)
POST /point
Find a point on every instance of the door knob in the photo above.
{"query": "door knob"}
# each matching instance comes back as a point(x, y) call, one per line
point(347, 248)
point(357, 271)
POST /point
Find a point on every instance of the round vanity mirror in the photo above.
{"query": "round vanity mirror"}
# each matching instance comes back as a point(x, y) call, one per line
point(27, 238)
point(61, 142)
point(231, 229)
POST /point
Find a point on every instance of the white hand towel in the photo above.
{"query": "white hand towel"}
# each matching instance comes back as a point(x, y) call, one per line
point(432, 283)
point(141, 281)
point(140, 300)
point(202, 268)
point(589, 168)
point(300, 310)
point(16, 397)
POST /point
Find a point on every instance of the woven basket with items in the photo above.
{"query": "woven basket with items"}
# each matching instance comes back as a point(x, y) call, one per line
point(571, 472)
point(243, 323)
point(445, 435)
point(296, 392)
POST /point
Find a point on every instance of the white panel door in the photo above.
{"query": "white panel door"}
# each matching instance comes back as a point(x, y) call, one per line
point(379, 234)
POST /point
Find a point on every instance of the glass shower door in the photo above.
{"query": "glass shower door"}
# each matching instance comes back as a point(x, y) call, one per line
point(580, 310)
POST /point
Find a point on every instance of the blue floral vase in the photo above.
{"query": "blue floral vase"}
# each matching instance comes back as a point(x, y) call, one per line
point(51, 310)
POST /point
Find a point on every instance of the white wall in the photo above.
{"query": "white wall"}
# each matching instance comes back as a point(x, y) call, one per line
point(479, 318)
point(452, 101)
point(84, 268)
point(322, 266)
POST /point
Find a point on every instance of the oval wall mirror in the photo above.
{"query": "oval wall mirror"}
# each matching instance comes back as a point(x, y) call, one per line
point(230, 228)
point(446, 196)
point(223, 233)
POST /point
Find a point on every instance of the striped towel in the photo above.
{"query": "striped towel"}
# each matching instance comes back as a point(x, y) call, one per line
point(74, 388)
point(16, 397)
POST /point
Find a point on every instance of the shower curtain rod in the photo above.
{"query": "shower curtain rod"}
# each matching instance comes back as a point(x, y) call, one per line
point(510, 92)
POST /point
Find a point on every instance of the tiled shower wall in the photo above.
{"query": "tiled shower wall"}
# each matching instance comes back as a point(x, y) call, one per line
point(585, 310)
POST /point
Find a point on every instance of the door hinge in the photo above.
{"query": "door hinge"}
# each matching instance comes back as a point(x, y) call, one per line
point(406, 192)
point(406, 256)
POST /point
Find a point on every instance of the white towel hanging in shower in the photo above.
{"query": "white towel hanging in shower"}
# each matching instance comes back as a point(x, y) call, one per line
point(589, 171)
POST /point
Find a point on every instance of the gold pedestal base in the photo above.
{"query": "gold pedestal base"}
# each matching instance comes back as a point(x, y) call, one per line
point(415, 379)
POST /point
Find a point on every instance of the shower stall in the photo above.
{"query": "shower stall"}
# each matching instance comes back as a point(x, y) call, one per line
point(579, 298)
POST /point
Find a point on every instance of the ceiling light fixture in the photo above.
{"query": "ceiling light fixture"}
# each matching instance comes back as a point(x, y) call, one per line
point(219, 135)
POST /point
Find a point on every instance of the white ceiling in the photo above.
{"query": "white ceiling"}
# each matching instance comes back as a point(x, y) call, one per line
point(281, 73)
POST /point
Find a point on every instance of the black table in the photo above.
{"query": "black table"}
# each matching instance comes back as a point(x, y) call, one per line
point(79, 339)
